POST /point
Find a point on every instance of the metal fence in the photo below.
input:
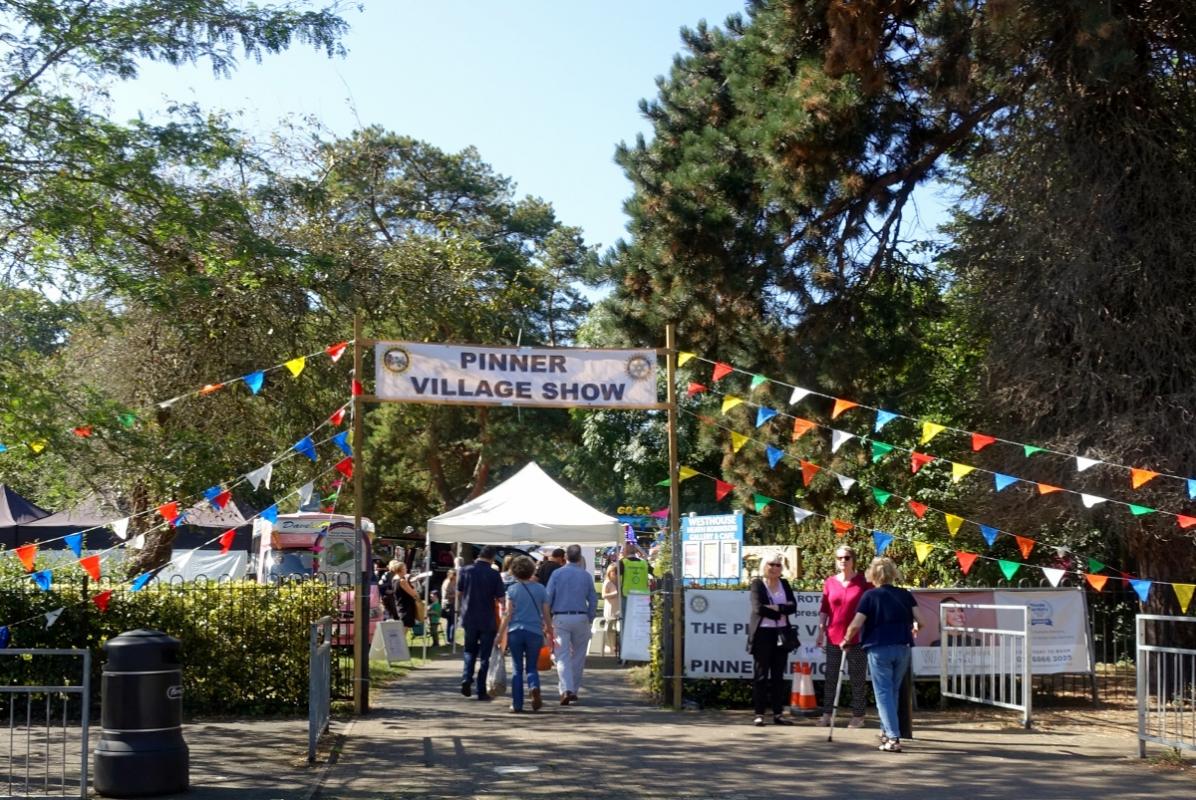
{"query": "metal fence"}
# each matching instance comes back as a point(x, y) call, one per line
point(1166, 684)
point(319, 695)
point(990, 666)
point(45, 753)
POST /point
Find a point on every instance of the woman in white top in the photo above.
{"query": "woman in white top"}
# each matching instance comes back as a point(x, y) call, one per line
point(612, 604)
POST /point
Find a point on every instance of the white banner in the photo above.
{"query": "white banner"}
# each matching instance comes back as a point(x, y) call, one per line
point(716, 625)
point(637, 627)
point(515, 376)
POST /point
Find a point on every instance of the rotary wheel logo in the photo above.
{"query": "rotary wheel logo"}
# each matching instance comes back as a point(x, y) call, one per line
point(396, 359)
point(698, 603)
point(639, 367)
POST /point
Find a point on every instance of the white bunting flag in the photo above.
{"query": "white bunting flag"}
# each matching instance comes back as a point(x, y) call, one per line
point(845, 483)
point(839, 438)
point(305, 493)
point(52, 616)
point(137, 542)
point(181, 560)
point(1090, 500)
point(1084, 463)
point(261, 475)
point(798, 395)
point(800, 515)
point(121, 528)
point(1053, 575)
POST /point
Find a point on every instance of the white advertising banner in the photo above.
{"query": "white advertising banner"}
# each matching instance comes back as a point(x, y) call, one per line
point(637, 627)
point(716, 626)
point(515, 376)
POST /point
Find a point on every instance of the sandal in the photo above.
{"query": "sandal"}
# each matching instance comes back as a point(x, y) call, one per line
point(891, 746)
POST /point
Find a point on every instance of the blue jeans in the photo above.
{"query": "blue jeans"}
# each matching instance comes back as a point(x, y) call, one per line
point(888, 664)
point(478, 645)
point(525, 649)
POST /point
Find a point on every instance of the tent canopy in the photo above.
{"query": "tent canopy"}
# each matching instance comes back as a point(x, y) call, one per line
point(529, 507)
point(16, 510)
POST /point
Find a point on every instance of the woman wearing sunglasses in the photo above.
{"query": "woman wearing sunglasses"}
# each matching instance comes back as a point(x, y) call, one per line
point(771, 638)
point(841, 595)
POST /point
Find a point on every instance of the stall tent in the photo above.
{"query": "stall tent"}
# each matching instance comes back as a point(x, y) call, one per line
point(527, 508)
point(15, 510)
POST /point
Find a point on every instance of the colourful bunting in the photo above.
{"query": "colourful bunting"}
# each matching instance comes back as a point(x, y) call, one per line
point(140, 581)
point(226, 540)
point(221, 500)
point(922, 550)
point(694, 388)
point(1046, 488)
point(960, 471)
point(1142, 588)
point(342, 443)
point(127, 419)
point(840, 438)
point(5, 636)
point(102, 599)
point(989, 534)
point(758, 381)
point(798, 395)
point(270, 513)
point(802, 427)
point(965, 560)
point(3, 448)
point(37, 446)
point(953, 523)
point(800, 515)
point(337, 417)
point(1009, 568)
point(880, 450)
point(169, 511)
point(881, 541)
point(254, 381)
point(931, 430)
point(296, 365)
point(764, 415)
point(883, 418)
point(91, 565)
point(1025, 544)
point(1139, 511)
point(44, 579)
point(1090, 500)
point(841, 526)
point(52, 616)
point(1183, 593)
point(1085, 463)
point(307, 447)
point(1096, 581)
point(841, 406)
point(1094, 565)
point(75, 542)
point(845, 483)
point(808, 471)
point(760, 502)
point(881, 496)
point(721, 489)
point(721, 371)
point(1185, 521)
point(919, 460)
point(356, 389)
point(1192, 488)
point(1138, 477)
point(260, 476)
point(26, 553)
point(738, 440)
point(1030, 450)
point(83, 431)
point(335, 351)
point(775, 454)
point(919, 509)
point(210, 388)
point(729, 402)
point(685, 473)
point(1003, 482)
point(345, 466)
point(1053, 574)
point(980, 441)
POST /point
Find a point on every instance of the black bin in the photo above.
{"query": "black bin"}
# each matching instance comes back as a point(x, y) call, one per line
point(141, 752)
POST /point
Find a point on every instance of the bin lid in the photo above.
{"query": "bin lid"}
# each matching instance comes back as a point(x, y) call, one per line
point(141, 650)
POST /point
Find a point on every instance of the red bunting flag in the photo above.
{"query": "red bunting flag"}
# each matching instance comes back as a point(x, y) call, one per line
point(841, 406)
point(337, 417)
point(801, 427)
point(1185, 522)
point(26, 552)
point(721, 489)
point(919, 460)
point(83, 431)
point(980, 441)
point(841, 527)
point(335, 351)
point(965, 560)
point(808, 471)
point(1025, 545)
point(345, 466)
point(721, 371)
point(919, 509)
point(694, 388)
point(226, 540)
point(169, 511)
point(91, 565)
point(357, 390)
point(102, 599)
point(221, 500)
point(1140, 476)
point(210, 388)
point(1046, 488)
point(1096, 581)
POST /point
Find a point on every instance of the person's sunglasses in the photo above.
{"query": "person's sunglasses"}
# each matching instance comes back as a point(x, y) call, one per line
point(844, 558)
point(774, 563)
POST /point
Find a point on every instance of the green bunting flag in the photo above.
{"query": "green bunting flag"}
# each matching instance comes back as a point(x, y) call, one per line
point(881, 496)
point(761, 502)
point(758, 380)
point(1139, 511)
point(880, 450)
point(1094, 565)
point(127, 419)
point(1010, 568)
point(1030, 450)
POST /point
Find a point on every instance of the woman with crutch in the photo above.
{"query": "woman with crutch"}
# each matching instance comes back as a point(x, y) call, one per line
point(841, 594)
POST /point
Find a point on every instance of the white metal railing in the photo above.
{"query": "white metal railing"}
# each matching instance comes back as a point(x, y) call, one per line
point(1166, 686)
point(990, 666)
point(319, 690)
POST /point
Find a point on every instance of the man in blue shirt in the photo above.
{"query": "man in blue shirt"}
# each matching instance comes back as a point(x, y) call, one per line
point(479, 586)
point(574, 604)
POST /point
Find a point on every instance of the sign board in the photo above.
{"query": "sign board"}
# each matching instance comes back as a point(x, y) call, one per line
point(515, 376)
point(716, 623)
point(712, 548)
point(390, 642)
point(337, 555)
point(637, 627)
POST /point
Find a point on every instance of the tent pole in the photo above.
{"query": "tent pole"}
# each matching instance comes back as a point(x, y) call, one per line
point(361, 665)
point(670, 336)
point(427, 589)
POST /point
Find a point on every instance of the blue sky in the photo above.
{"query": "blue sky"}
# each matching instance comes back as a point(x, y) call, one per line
point(544, 90)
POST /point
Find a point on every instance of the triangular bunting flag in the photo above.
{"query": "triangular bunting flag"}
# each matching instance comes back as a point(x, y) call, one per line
point(226, 538)
point(26, 552)
point(102, 599)
point(83, 431)
point(355, 388)
point(127, 419)
point(798, 395)
point(764, 415)
point(722, 489)
point(840, 438)
point(729, 402)
point(270, 513)
point(335, 351)
point(169, 511)
point(808, 471)
point(989, 534)
point(1183, 593)
point(1139, 511)
point(881, 496)
point(980, 441)
point(306, 446)
point(140, 581)
point(5, 636)
point(841, 406)
point(760, 502)
point(931, 430)
point(260, 476)
point(881, 541)
point(1003, 481)
point(1090, 500)
point(965, 560)
point(919, 460)
point(919, 509)
point(181, 560)
point(880, 450)
point(1185, 522)
point(694, 388)
point(1053, 574)
point(721, 371)
point(1030, 450)
point(221, 500)
point(296, 365)
point(1084, 463)
point(959, 471)
point(44, 579)
point(37, 446)
point(802, 427)
point(1009, 568)
point(305, 493)
point(775, 454)
point(758, 381)
point(121, 528)
point(1192, 488)
point(883, 418)
point(800, 515)
point(922, 549)
point(91, 565)
point(1046, 488)
point(210, 388)
point(841, 527)
point(52, 616)
point(75, 542)
point(953, 523)
point(210, 494)
point(1094, 565)
point(1142, 588)
point(341, 440)
point(845, 483)
point(1096, 581)
point(1138, 477)
point(738, 440)
point(337, 417)
point(684, 358)
point(1025, 544)
point(685, 473)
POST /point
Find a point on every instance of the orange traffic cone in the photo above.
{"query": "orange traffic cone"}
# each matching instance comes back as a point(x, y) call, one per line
point(801, 695)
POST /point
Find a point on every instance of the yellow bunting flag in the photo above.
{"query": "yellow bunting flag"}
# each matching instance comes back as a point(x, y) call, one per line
point(37, 446)
point(953, 523)
point(1183, 593)
point(729, 402)
point(931, 430)
point(1141, 476)
point(686, 472)
point(958, 471)
point(738, 440)
point(922, 549)
point(296, 365)
point(683, 358)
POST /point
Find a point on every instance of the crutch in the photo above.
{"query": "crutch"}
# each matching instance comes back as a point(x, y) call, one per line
point(830, 732)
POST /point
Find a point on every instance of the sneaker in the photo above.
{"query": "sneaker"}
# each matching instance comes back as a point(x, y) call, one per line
point(758, 722)
point(516, 710)
point(891, 746)
point(467, 688)
point(537, 701)
point(856, 722)
point(824, 721)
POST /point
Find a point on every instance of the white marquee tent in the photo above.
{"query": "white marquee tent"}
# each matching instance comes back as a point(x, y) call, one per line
point(527, 508)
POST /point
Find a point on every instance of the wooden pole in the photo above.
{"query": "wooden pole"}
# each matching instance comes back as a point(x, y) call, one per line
point(361, 614)
point(670, 336)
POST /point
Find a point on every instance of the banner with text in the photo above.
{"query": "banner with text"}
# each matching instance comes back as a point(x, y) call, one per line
point(515, 376)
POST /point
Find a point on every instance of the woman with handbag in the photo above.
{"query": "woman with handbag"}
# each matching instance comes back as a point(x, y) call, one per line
point(526, 621)
point(771, 638)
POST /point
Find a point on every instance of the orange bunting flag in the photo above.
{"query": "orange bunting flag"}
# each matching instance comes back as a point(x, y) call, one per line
point(335, 351)
point(209, 388)
point(801, 427)
point(808, 471)
point(980, 441)
point(841, 406)
point(1183, 593)
point(102, 599)
point(953, 523)
point(722, 489)
point(226, 540)
point(83, 431)
point(345, 466)
point(694, 388)
point(91, 565)
point(919, 509)
point(169, 511)
point(1096, 581)
point(1138, 477)
point(1025, 545)
point(922, 549)
point(337, 417)
point(841, 527)
point(919, 460)
point(1185, 522)
point(965, 560)
point(721, 371)
point(1046, 488)
point(26, 553)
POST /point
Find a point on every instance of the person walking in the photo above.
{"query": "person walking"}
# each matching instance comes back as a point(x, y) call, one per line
point(574, 604)
point(525, 622)
point(841, 595)
point(449, 591)
point(889, 618)
point(550, 565)
point(479, 587)
point(771, 638)
point(612, 607)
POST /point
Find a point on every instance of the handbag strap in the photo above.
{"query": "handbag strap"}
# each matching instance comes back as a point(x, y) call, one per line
point(539, 613)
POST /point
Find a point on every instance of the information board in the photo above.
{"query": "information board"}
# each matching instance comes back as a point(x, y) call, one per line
point(390, 642)
point(637, 627)
point(712, 548)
